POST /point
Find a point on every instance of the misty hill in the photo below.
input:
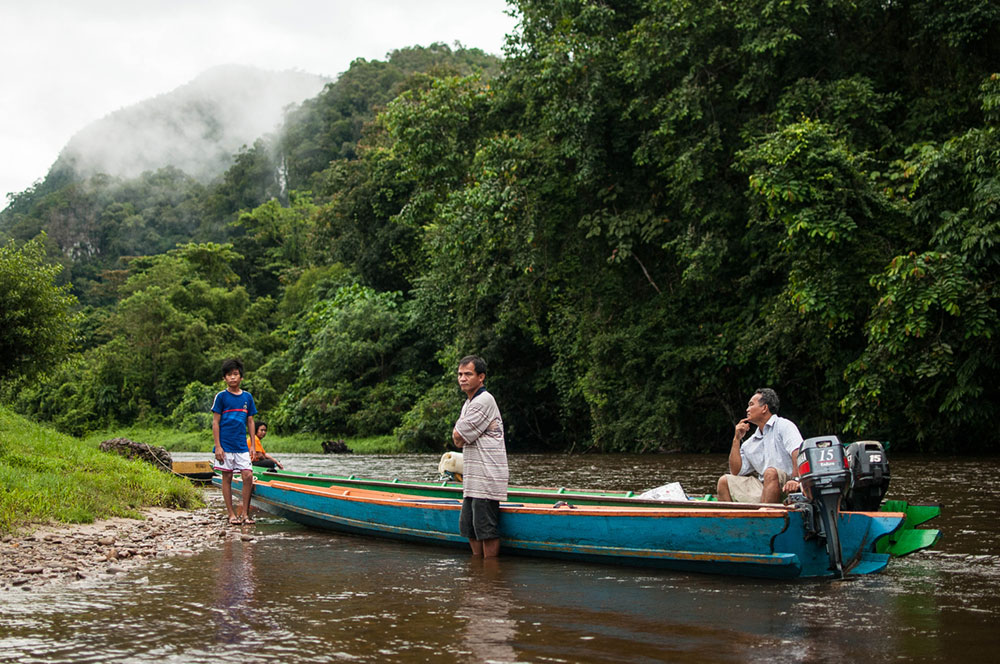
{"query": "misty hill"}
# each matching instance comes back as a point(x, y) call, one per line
point(182, 166)
point(195, 128)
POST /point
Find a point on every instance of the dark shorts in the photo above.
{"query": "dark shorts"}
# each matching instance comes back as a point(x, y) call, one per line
point(480, 519)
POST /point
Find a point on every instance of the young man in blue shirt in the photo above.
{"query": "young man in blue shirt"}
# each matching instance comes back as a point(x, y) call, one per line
point(232, 418)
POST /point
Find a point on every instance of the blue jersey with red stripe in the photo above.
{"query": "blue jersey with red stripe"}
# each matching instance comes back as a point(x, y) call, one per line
point(234, 409)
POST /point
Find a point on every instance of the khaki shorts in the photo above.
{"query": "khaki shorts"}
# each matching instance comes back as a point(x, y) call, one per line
point(748, 488)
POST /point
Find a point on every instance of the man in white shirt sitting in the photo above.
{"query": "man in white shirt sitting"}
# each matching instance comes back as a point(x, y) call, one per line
point(762, 468)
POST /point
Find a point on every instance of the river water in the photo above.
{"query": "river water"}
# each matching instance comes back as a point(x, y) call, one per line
point(298, 595)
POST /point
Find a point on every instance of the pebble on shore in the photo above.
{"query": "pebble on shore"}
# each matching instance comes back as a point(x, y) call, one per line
point(61, 553)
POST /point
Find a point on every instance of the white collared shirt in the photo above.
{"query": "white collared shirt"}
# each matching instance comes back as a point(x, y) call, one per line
point(771, 446)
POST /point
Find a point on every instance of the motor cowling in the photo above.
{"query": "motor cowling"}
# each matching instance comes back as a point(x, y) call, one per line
point(869, 466)
point(823, 467)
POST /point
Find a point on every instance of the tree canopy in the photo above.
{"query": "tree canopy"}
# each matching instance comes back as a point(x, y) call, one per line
point(642, 214)
point(37, 326)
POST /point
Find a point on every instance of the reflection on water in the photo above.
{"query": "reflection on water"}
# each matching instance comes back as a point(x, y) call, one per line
point(234, 586)
point(292, 594)
point(485, 608)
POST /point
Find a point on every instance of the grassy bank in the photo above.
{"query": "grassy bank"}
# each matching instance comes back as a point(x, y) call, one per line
point(176, 441)
point(49, 476)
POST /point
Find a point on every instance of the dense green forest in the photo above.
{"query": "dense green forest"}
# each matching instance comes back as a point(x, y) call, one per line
point(640, 214)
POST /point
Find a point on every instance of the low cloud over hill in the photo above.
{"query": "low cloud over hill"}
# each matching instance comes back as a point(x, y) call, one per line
point(196, 128)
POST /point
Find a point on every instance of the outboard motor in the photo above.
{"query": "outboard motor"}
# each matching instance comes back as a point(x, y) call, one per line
point(869, 476)
point(824, 475)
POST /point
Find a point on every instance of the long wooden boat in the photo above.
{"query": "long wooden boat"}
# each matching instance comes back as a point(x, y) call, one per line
point(451, 489)
point(773, 541)
point(909, 538)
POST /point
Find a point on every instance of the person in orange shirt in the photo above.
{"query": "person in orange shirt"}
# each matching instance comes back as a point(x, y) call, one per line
point(259, 457)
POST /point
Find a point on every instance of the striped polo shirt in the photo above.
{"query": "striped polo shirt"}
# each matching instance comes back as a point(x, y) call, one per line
point(484, 455)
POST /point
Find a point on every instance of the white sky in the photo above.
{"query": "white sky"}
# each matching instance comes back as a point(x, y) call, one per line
point(66, 63)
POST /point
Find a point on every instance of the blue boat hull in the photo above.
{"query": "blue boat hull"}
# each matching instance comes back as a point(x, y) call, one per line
point(768, 542)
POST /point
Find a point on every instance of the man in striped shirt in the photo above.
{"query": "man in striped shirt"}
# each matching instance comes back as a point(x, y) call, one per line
point(479, 434)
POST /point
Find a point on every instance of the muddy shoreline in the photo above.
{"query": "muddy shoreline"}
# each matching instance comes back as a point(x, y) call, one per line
point(68, 553)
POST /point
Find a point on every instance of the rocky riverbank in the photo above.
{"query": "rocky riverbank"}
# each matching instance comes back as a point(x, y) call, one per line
point(66, 553)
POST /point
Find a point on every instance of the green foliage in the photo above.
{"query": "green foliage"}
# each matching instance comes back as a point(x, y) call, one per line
point(824, 225)
point(275, 244)
point(328, 127)
point(357, 228)
point(654, 208)
point(352, 350)
point(428, 424)
point(252, 180)
point(434, 133)
point(179, 317)
point(310, 287)
point(193, 412)
point(36, 323)
point(378, 445)
point(90, 225)
point(932, 349)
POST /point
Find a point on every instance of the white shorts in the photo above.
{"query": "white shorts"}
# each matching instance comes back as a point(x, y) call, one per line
point(233, 461)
